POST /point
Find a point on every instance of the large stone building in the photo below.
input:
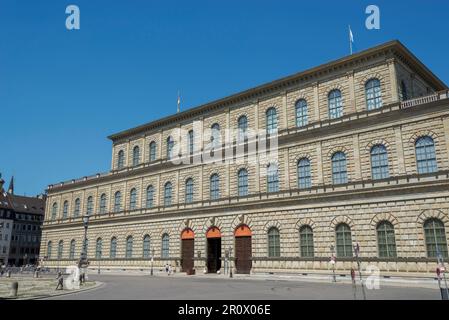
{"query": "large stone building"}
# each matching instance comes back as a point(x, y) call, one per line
point(362, 157)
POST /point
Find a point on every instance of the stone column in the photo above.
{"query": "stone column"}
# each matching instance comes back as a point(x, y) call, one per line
point(400, 150)
point(393, 80)
point(357, 166)
point(144, 148)
point(287, 168)
point(446, 139)
point(319, 163)
point(285, 111)
point(158, 191)
point(352, 102)
point(161, 143)
point(316, 99)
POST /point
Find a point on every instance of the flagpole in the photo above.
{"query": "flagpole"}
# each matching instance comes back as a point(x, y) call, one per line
point(350, 39)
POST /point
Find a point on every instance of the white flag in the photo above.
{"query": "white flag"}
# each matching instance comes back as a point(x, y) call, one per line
point(351, 36)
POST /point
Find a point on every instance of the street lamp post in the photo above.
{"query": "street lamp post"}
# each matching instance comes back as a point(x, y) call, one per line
point(83, 257)
point(230, 262)
point(99, 260)
point(442, 269)
point(333, 262)
point(356, 251)
point(152, 260)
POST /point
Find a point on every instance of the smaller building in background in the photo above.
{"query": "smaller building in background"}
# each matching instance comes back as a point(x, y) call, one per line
point(6, 225)
point(21, 219)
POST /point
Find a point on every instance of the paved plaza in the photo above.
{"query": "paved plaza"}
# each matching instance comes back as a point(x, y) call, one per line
point(162, 287)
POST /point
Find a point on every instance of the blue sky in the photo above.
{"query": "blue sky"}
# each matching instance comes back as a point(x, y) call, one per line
point(62, 92)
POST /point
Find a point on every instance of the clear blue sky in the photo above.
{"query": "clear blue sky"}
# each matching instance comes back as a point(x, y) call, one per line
point(62, 92)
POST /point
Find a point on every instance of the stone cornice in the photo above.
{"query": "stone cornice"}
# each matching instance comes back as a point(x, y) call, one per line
point(348, 63)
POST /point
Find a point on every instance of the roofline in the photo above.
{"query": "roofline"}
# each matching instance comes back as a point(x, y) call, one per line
point(394, 45)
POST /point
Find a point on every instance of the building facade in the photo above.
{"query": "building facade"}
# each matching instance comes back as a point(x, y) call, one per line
point(21, 220)
point(361, 157)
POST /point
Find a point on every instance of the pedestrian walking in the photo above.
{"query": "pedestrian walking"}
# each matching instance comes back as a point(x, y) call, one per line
point(166, 268)
point(169, 269)
point(60, 279)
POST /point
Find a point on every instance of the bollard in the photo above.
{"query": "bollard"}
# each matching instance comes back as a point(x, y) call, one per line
point(14, 289)
point(36, 274)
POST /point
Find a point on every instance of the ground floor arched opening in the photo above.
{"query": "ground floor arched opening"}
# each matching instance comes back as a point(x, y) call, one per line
point(213, 237)
point(187, 250)
point(243, 249)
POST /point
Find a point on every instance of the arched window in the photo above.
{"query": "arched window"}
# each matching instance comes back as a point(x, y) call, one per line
point(65, 210)
point(136, 156)
point(344, 240)
point(373, 93)
point(146, 246)
point(60, 249)
point(189, 190)
point(425, 155)
point(272, 178)
point(339, 171)
point(129, 247)
point(49, 248)
point(113, 248)
point(54, 211)
point(215, 138)
point(274, 243)
point(335, 104)
point(90, 205)
point(167, 194)
point(214, 187)
point(133, 199)
point(435, 236)
point(99, 249)
point(272, 121)
point(404, 94)
point(118, 201)
point(150, 196)
point(170, 146)
point(190, 142)
point(379, 162)
point(103, 203)
point(72, 249)
point(152, 151)
point(165, 253)
point(121, 160)
point(386, 240)
point(242, 128)
point(243, 182)
point(301, 113)
point(306, 241)
point(76, 211)
point(304, 175)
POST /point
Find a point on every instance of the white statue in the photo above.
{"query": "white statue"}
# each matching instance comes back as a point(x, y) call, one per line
point(72, 282)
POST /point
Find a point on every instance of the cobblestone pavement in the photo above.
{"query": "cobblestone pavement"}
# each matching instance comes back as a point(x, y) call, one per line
point(201, 288)
point(30, 287)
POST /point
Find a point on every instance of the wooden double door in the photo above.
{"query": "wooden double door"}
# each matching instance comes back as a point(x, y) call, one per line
point(187, 254)
point(243, 261)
